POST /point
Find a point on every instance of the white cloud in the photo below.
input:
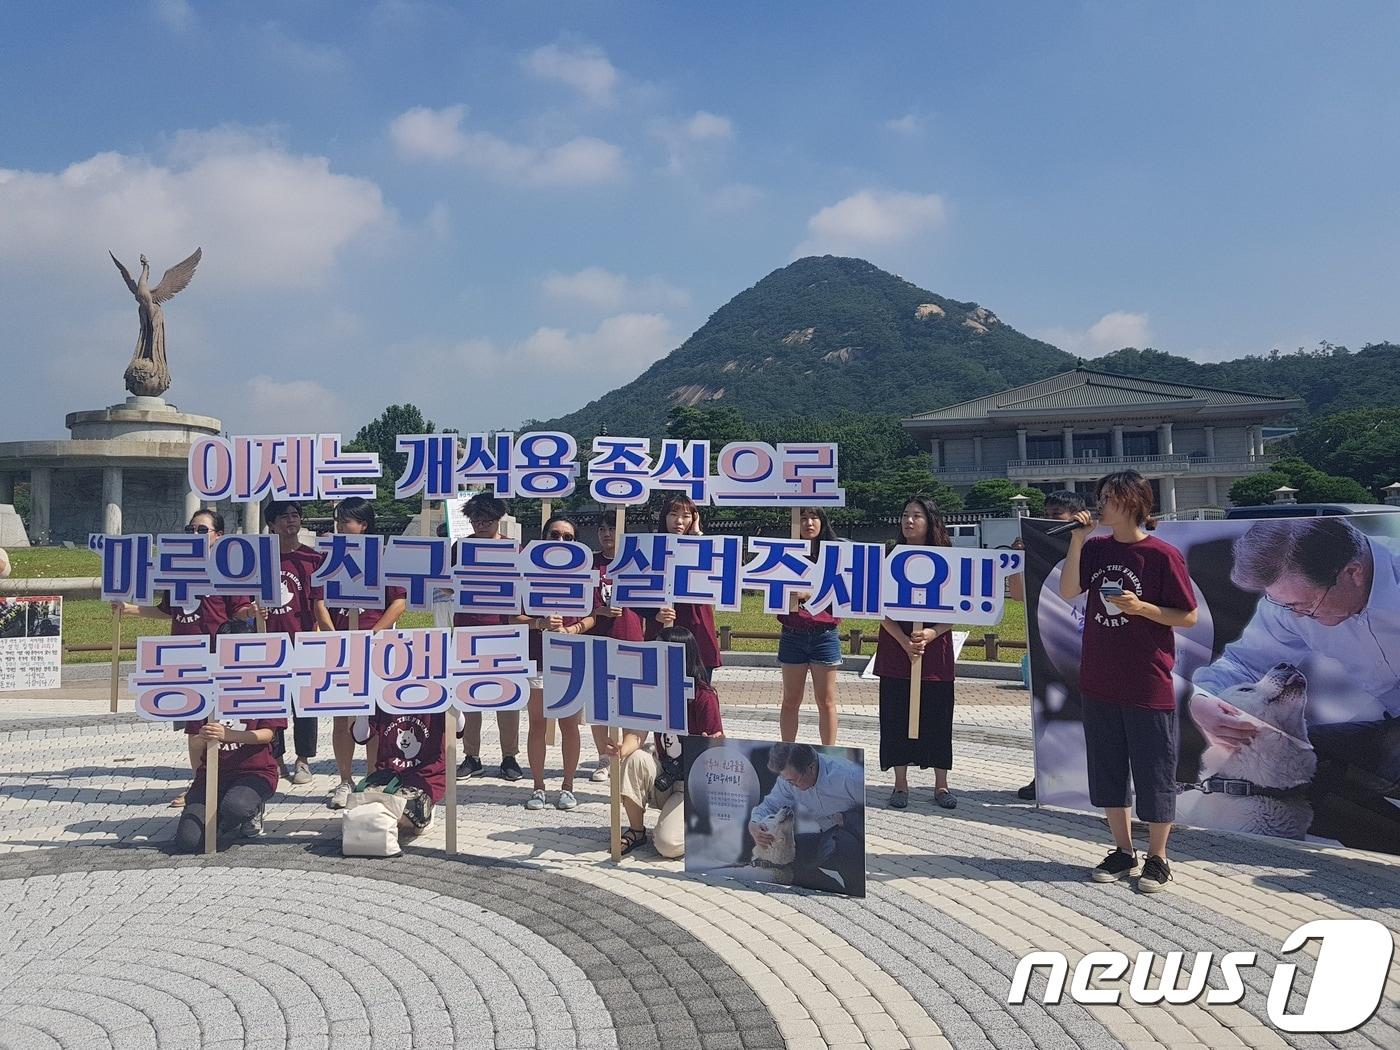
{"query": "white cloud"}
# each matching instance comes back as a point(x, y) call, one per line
point(423, 133)
point(264, 216)
point(604, 290)
point(1112, 331)
point(585, 69)
point(620, 346)
point(911, 125)
point(176, 14)
point(279, 405)
point(691, 137)
point(872, 218)
point(439, 221)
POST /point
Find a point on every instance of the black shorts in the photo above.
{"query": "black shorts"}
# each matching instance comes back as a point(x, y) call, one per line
point(1121, 740)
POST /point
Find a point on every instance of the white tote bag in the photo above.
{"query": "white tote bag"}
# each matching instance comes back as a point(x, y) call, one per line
point(369, 826)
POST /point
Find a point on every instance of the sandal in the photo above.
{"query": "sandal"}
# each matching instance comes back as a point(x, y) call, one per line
point(178, 801)
point(946, 799)
point(899, 799)
point(632, 838)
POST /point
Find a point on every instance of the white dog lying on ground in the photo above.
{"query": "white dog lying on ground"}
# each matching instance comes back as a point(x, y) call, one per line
point(1261, 788)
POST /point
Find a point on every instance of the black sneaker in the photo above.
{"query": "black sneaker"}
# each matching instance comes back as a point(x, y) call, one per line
point(510, 768)
point(1027, 793)
point(1156, 873)
point(469, 767)
point(1117, 865)
point(252, 827)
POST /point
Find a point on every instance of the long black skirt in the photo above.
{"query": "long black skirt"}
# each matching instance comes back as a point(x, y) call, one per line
point(934, 747)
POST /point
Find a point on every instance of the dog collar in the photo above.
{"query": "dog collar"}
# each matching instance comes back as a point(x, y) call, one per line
point(1245, 789)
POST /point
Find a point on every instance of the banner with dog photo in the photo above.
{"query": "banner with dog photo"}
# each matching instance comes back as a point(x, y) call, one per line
point(784, 814)
point(1288, 686)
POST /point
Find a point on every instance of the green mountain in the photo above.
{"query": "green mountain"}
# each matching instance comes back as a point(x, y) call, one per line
point(830, 335)
point(820, 337)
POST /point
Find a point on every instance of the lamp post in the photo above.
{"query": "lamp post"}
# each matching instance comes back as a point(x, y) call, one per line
point(1285, 494)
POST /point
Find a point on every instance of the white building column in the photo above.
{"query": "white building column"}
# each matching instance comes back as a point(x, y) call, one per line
point(1212, 493)
point(935, 453)
point(1210, 443)
point(40, 497)
point(112, 500)
point(1164, 442)
point(977, 451)
point(1118, 440)
point(193, 505)
point(1021, 443)
point(1169, 495)
point(1256, 443)
point(1069, 442)
point(252, 518)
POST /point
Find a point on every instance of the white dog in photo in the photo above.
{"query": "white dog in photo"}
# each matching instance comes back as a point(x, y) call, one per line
point(409, 745)
point(780, 854)
point(1278, 760)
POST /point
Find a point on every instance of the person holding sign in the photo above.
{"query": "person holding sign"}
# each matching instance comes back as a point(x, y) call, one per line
point(354, 516)
point(1139, 592)
point(562, 528)
point(899, 645)
point(623, 624)
point(204, 615)
point(655, 780)
point(299, 609)
point(810, 644)
point(485, 513)
point(247, 778)
point(680, 515)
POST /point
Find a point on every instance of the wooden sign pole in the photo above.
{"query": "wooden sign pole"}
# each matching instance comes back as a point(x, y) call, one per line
point(614, 732)
point(916, 676)
point(116, 654)
point(797, 535)
point(550, 724)
point(211, 795)
point(449, 729)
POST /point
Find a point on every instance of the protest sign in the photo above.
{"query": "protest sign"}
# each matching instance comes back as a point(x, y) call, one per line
point(801, 824)
point(31, 642)
point(1312, 673)
point(283, 467)
point(187, 567)
point(632, 685)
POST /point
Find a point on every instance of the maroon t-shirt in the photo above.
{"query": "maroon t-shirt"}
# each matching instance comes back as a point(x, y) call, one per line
point(802, 620)
point(211, 613)
point(891, 661)
point(699, 620)
point(702, 716)
point(297, 608)
point(412, 746)
point(367, 618)
point(240, 760)
point(1128, 659)
point(625, 628)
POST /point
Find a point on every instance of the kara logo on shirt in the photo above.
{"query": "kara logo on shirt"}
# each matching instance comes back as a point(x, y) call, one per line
point(291, 586)
point(409, 733)
point(1125, 578)
point(238, 726)
point(1348, 979)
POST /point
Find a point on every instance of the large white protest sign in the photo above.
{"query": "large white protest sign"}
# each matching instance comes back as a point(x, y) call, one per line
point(31, 643)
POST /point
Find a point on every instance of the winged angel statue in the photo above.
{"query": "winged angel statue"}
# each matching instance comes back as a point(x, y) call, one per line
point(148, 375)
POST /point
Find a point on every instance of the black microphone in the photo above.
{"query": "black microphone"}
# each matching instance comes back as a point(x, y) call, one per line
point(1068, 526)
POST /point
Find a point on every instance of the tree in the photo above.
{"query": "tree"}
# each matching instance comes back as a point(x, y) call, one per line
point(885, 493)
point(719, 425)
point(994, 494)
point(1363, 444)
point(1312, 484)
point(380, 436)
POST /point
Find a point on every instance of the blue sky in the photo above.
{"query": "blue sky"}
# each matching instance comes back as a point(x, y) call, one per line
point(501, 211)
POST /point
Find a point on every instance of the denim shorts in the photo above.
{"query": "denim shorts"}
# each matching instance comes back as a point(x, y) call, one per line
point(820, 647)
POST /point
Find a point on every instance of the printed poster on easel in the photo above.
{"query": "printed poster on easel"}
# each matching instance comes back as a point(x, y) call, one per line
point(31, 643)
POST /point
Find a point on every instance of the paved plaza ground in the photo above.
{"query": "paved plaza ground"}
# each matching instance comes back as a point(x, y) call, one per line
point(531, 937)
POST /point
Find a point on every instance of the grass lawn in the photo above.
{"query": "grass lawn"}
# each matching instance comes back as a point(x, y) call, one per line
point(90, 622)
point(753, 619)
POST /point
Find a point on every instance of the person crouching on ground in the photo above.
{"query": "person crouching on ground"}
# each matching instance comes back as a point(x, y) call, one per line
point(1138, 592)
point(247, 779)
point(413, 748)
point(655, 780)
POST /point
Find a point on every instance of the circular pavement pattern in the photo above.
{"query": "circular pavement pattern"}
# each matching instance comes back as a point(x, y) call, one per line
point(534, 939)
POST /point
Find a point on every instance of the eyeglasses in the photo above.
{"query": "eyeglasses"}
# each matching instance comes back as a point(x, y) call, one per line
point(201, 530)
point(1310, 614)
point(476, 520)
point(555, 534)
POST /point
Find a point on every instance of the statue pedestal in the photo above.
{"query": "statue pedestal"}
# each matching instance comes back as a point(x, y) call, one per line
point(140, 419)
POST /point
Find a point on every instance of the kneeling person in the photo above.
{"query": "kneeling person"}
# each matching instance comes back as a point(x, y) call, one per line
point(248, 775)
point(412, 748)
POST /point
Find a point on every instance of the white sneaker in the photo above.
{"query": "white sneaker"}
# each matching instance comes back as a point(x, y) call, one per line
point(340, 797)
point(600, 775)
point(536, 800)
point(566, 800)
